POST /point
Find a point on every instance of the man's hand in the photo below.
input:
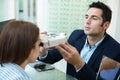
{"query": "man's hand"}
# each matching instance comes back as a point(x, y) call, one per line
point(70, 54)
point(42, 51)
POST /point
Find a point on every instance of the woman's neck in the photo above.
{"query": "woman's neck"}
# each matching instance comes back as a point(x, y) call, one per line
point(23, 65)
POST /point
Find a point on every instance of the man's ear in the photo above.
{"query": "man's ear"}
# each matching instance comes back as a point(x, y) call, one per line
point(106, 25)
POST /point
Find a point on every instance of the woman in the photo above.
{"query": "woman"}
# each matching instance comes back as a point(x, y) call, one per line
point(19, 45)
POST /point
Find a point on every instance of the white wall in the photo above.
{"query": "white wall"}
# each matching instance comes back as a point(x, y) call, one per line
point(7, 10)
point(114, 29)
point(117, 34)
point(42, 14)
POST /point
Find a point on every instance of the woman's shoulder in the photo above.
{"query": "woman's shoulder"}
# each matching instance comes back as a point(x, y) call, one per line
point(12, 71)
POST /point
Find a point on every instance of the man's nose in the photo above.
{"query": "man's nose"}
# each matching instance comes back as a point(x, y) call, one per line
point(88, 21)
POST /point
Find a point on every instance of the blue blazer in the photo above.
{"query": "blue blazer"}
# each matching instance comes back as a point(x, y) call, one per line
point(108, 47)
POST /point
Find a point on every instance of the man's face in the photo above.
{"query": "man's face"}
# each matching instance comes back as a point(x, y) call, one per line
point(93, 22)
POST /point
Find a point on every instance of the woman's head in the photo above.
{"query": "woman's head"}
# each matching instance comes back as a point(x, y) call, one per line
point(17, 40)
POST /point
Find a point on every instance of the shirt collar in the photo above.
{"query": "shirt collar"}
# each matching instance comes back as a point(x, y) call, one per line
point(95, 45)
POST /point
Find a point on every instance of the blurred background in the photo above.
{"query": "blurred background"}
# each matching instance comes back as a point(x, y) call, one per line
point(56, 16)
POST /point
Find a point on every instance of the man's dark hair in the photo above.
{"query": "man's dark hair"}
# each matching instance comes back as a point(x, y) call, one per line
point(106, 11)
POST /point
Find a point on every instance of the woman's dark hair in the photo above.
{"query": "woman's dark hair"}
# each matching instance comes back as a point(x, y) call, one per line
point(17, 40)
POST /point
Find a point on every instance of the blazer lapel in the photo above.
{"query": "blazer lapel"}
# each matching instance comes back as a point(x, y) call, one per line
point(96, 55)
point(80, 43)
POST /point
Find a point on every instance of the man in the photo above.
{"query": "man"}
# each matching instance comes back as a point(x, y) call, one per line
point(85, 49)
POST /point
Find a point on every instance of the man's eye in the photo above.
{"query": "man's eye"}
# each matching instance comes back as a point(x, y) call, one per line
point(86, 17)
point(95, 18)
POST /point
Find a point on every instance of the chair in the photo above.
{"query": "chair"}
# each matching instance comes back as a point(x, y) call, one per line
point(109, 69)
